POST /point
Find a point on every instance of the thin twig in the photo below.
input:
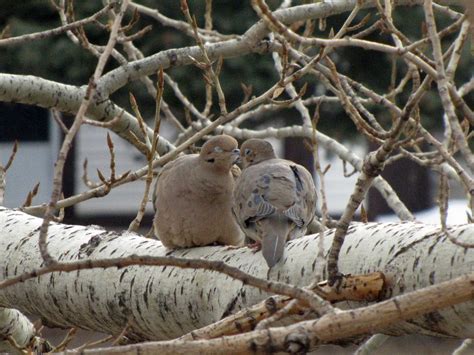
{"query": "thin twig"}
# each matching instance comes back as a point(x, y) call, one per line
point(58, 118)
point(4, 169)
point(31, 195)
point(65, 342)
point(207, 62)
point(151, 155)
point(93, 344)
point(107, 124)
point(55, 31)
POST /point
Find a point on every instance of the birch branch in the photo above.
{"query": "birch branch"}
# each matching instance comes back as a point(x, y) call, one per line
point(16, 327)
point(165, 302)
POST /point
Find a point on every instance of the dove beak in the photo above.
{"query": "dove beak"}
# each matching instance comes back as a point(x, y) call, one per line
point(236, 155)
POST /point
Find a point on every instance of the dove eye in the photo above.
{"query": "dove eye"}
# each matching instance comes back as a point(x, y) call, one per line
point(247, 151)
point(218, 149)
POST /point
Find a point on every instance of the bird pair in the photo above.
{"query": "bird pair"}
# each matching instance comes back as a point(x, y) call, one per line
point(199, 201)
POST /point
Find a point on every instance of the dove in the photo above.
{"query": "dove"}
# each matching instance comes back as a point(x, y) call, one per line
point(193, 197)
point(274, 199)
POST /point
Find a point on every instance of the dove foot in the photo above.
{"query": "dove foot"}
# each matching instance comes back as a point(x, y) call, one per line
point(257, 246)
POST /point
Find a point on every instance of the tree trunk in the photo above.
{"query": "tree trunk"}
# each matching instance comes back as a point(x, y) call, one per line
point(165, 302)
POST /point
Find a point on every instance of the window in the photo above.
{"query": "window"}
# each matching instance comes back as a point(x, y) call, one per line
point(23, 123)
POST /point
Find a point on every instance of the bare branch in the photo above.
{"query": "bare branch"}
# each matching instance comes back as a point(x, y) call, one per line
point(4, 169)
point(53, 32)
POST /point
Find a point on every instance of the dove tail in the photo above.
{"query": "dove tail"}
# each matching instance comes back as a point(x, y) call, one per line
point(276, 229)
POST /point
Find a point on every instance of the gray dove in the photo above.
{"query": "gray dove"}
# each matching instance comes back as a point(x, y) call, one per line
point(274, 199)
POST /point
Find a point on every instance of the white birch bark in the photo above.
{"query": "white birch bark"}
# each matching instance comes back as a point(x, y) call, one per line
point(15, 325)
point(166, 302)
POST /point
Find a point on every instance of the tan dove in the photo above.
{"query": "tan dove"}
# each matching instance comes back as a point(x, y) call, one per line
point(274, 199)
point(193, 197)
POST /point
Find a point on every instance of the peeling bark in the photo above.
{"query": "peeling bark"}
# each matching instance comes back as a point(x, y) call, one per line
point(166, 302)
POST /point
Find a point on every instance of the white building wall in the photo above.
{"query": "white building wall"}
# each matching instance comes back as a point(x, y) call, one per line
point(34, 162)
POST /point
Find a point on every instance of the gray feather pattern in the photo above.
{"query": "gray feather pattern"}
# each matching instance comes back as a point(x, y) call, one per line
point(274, 200)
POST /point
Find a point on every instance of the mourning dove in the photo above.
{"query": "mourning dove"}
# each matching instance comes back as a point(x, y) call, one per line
point(193, 197)
point(274, 199)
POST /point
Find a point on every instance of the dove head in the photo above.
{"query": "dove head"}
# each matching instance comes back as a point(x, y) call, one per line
point(220, 153)
point(254, 151)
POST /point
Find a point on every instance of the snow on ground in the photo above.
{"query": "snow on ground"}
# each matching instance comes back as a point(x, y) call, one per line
point(456, 214)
